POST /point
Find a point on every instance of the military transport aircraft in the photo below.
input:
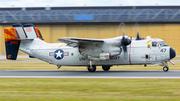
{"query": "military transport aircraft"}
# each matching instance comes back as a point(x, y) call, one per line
point(87, 52)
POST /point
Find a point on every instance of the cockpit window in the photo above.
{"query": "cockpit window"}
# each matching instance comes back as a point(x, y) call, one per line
point(162, 43)
point(154, 43)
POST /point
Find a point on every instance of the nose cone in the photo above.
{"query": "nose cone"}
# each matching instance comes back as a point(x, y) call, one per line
point(172, 53)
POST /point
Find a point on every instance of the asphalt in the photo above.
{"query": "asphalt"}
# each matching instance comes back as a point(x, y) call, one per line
point(82, 74)
point(86, 74)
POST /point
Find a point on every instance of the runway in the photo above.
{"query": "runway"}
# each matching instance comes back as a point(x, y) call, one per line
point(86, 74)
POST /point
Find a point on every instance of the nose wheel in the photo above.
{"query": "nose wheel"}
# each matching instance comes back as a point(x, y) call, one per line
point(165, 68)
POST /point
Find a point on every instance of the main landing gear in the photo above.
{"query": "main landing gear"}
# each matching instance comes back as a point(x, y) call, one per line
point(91, 67)
point(106, 68)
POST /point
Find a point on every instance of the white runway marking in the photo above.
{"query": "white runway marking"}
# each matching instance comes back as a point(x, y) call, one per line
point(88, 77)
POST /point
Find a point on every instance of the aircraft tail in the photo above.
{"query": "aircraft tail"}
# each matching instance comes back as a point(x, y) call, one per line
point(12, 42)
point(17, 34)
point(39, 33)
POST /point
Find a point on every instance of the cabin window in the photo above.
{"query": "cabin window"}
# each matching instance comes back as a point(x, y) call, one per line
point(154, 43)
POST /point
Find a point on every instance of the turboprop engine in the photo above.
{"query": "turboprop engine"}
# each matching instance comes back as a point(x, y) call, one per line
point(107, 50)
point(114, 51)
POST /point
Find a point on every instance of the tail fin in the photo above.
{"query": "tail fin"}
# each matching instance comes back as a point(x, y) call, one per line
point(28, 31)
point(16, 34)
point(12, 42)
point(20, 30)
point(39, 33)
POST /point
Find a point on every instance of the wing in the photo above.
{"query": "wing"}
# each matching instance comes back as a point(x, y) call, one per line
point(75, 42)
point(87, 47)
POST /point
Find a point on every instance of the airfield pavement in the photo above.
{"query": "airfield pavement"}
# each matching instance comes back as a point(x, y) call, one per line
point(86, 74)
point(83, 73)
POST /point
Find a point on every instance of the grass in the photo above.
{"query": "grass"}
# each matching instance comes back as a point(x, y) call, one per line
point(32, 89)
point(89, 89)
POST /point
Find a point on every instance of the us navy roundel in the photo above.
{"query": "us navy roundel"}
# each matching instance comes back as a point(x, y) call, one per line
point(59, 54)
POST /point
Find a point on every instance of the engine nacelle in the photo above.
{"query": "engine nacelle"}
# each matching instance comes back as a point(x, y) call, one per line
point(114, 49)
point(104, 56)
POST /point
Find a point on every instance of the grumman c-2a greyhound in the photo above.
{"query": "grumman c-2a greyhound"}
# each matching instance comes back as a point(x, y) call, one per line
point(87, 52)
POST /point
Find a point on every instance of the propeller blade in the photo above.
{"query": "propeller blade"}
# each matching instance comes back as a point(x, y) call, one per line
point(138, 37)
point(137, 30)
point(124, 48)
point(122, 29)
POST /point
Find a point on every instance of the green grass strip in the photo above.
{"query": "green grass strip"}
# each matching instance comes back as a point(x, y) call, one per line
point(12, 89)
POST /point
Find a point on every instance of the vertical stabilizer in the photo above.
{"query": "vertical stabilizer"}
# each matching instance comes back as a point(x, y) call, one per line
point(39, 33)
point(19, 34)
point(20, 30)
point(30, 31)
point(12, 42)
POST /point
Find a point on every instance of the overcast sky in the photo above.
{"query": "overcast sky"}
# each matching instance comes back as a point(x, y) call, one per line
point(60, 3)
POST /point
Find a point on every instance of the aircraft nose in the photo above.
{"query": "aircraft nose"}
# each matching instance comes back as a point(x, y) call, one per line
point(172, 53)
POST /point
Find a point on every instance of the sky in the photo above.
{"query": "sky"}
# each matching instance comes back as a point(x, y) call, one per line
point(67, 3)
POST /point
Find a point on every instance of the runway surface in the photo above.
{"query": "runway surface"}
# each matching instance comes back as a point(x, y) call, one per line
point(86, 74)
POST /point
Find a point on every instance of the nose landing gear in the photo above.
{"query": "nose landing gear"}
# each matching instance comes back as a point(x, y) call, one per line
point(165, 68)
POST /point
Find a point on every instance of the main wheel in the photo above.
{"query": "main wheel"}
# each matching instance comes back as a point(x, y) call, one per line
point(165, 69)
point(92, 69)
point(106, 68)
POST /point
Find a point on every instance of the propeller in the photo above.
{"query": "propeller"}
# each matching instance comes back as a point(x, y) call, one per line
point(125, 42)
point(123, 32)
point(137, 30)
point(122, 29)
point(138, 37)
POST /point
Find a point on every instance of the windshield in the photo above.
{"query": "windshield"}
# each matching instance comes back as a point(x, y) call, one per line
point(162, 43)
